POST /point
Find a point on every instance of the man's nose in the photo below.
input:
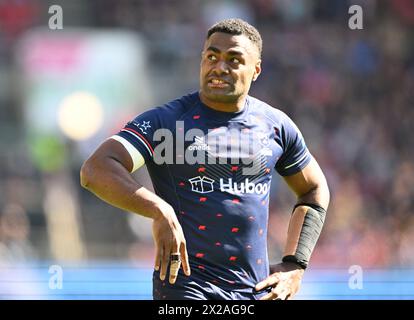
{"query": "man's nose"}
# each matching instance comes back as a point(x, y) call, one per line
point(221, 67)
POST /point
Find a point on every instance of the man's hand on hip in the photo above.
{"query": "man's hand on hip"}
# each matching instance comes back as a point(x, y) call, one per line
point(285, 279)
point(170, 245)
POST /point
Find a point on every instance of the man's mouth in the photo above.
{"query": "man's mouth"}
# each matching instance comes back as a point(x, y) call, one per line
point(217, 83)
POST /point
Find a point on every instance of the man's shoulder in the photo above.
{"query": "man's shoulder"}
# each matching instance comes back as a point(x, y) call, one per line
point(260, 107)
point(170, 111)
point(175, 108)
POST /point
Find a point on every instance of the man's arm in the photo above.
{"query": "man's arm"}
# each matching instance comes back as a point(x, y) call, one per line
point(312, 192)
point(107, 174)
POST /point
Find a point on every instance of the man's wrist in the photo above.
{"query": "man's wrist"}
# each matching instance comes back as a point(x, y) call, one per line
point(294, 260)
point(160, 211)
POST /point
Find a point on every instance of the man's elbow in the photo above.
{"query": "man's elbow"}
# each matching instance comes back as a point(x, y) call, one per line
point(319, 194)
point(325, 194)
point(86, 174)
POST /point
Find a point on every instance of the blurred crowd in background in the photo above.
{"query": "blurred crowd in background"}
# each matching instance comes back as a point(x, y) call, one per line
point(350, 92)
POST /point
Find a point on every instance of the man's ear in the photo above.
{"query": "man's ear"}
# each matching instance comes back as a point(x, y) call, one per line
point(257, 69)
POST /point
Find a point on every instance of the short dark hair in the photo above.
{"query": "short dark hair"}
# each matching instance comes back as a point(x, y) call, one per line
point(238, 27)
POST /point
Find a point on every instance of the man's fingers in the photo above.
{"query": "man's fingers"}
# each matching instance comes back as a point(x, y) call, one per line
point(268, 296)
point(175, 264)
point(262, 284)
point(280, 294)
point(184, 257)
point(175, 261)
point(164, 262)
point(269, 281)
point(157, 258)
point(276, 294)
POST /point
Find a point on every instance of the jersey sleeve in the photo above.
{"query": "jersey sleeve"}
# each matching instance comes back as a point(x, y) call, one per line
point(295, 155)
point(139, 133)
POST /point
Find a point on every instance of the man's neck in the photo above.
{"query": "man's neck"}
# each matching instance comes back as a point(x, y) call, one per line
point(223, 106)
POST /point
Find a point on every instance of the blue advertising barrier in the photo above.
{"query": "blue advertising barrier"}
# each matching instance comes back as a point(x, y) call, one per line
point(126, 281)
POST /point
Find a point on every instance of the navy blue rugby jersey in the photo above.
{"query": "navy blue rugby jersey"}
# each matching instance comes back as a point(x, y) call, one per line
point(215, 168)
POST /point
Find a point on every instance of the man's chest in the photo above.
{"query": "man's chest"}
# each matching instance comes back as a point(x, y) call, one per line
point(234, 152)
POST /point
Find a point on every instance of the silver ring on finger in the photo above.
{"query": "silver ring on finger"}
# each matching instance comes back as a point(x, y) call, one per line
point(175, 257)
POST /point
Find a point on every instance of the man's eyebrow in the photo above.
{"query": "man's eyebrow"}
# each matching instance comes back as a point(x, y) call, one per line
point(214, 49)
point(230, 52)
point(235, 53)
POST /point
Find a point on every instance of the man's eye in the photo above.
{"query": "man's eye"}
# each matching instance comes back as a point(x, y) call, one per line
point(211, 57)
point(235, 60)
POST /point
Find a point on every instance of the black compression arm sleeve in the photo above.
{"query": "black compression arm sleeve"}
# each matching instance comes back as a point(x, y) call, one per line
point(309, 235)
